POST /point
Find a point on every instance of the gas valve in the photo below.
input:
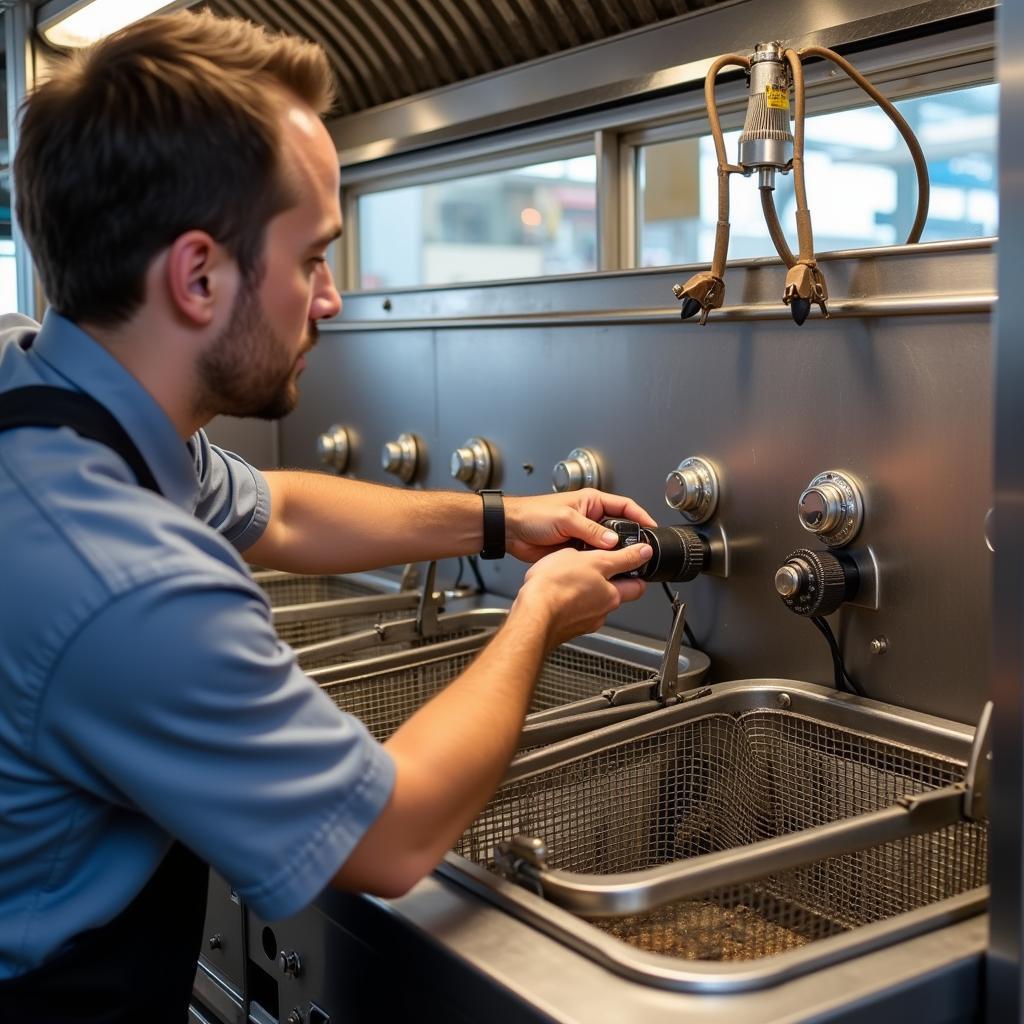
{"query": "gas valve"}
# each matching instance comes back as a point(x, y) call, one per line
point(581, 469)
point(401, 457)
point(816, 583)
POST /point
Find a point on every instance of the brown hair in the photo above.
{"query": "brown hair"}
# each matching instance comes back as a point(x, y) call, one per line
point(167, 126)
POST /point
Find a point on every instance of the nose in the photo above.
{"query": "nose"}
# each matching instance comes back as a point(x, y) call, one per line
point(326, 300)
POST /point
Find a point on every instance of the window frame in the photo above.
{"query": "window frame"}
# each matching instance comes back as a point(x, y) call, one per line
point(946, 61)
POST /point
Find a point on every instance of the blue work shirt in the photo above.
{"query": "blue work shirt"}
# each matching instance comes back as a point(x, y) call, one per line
point(144, 695)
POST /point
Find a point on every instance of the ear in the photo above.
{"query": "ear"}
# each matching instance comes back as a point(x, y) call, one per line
point(201, 277)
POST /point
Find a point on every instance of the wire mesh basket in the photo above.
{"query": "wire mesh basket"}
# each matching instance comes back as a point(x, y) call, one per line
point(308, 609)
point(723, 781)
point(386, 691)
point(285, 588)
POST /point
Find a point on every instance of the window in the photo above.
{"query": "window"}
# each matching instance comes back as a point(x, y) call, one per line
point(861, 185)
point(526, 222)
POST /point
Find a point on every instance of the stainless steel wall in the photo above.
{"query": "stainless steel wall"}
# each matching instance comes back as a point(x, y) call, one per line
point(896, 389)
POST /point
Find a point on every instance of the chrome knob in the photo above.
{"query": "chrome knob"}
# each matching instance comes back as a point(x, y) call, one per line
point(789, 579)
point(832, 508)
point(289, 963)
point(821, 508)
point(401, 457)
point(692, 489)
point(472, 463)
point(580, 469)
point(333, 447)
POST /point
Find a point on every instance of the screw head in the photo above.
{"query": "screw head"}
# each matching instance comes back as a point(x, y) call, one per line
point(879, 645)
point(783, 700)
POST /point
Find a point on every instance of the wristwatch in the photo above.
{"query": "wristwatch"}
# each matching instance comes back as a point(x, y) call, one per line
point(494, 524)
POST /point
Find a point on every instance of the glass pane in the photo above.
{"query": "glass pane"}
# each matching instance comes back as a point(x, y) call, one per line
point(527, 222)
point(861, 186)
point(8, 266)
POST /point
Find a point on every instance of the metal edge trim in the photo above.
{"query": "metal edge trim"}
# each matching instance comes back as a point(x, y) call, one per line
point(665, 972)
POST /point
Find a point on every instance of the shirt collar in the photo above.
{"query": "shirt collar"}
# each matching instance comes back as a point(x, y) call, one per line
point(88, 366)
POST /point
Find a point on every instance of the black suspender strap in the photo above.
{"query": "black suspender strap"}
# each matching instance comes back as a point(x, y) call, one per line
point(43, 406)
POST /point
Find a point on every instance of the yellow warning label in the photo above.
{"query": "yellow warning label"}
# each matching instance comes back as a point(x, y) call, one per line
point(776, 98)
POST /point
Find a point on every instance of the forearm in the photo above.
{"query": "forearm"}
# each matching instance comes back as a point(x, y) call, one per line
point(450, 757)
point(321, 523)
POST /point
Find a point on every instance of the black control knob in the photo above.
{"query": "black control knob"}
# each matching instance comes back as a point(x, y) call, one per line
point(816, 582)
point(680, 554)
point(289, 963)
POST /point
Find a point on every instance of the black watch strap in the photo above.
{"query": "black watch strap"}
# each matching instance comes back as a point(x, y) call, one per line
point(494, 524)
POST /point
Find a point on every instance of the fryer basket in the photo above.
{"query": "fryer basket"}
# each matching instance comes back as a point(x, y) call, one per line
point(385, 695)
point(722, 780)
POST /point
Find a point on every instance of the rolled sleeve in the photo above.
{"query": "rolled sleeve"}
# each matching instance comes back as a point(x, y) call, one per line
point(203, 723)
point(234, 497)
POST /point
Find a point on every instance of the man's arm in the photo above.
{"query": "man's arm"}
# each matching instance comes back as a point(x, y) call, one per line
point(451, 755)
point(321, 523)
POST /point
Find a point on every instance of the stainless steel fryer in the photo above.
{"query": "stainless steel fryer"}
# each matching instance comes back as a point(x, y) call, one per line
point(697, 832)
point(582, 685)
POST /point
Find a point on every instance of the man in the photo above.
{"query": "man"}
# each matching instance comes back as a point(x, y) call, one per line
point(178, 192)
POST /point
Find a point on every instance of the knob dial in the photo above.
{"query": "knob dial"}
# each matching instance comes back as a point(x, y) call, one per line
point(333, 447)
point(832, 508)
point(692, 489)
point(289, 963)
point(401, 457)
point(580, 469)
point(816, 582)
point(680, 554)
point(472, 463)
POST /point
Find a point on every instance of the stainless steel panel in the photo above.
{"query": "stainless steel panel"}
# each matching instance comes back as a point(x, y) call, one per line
point(902, 402)
point(377, 385)
point(1006, 986)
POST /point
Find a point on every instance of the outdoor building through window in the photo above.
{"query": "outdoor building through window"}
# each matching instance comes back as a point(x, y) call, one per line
point(861, 185)
point(526, 222)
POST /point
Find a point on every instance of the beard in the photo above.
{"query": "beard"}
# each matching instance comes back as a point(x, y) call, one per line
point(248, 370)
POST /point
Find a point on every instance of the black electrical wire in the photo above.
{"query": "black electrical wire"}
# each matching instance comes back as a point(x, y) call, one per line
point(675, 602)
point(458, 577)
point(843, 679)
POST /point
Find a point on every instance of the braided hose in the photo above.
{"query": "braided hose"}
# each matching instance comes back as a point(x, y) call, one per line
point(724, 168)
point(805, 234)
point(920, 164)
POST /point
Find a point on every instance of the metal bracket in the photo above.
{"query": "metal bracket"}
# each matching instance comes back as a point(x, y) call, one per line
point(718, 543)
point(979, 768)
point(410, 577)
point(667, 688)
point(869, 591)
point(430, 604)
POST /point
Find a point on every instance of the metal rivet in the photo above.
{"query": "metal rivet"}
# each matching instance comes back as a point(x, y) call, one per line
point(879, 645)
point(386, 305)
point(216, 941)
point(783, 700)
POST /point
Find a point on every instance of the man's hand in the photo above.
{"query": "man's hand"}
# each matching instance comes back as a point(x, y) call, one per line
point(536, 526)
point(573, 589)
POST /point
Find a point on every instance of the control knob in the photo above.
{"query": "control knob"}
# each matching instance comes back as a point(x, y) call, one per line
point(832, 508)
point(334, 446)
point(580, 469)
point(401, 457)
point(472, 463)
point(289, 963)
point(692, 489)
point(816, 582)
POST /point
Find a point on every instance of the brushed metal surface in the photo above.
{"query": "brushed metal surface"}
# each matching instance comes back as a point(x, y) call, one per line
point(893, 400)
point(1005, 982)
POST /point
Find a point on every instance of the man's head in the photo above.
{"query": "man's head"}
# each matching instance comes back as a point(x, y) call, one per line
point(178, 130)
